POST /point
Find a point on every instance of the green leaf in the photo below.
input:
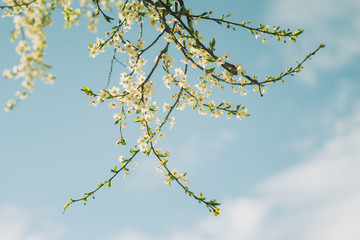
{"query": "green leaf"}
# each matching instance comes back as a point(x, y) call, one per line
point(115, 169)
point(210, 70)
point(87, 91)
point(108, 19)
point(137, 119)
point(212, 43)
point(121, 141)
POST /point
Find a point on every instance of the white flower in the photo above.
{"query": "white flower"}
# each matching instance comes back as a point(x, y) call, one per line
point(139, 45)
point(140, 140)
point(152, 22)
point(129, 111)
point(179, 72)
point(141, 78)
point(227, 56)
point(184, 83)
point(202, 111)
point(117, 116)
point(9, 105)
point(168, 38)
point(218, 113)
point(143, 147)
point(181, 106)
point(161, 135)
point(220, 61)
point(93, 103)
point(148, 117)
point(166, 107)
point(192, 102)
point(175, 173)
point(114, 91)
point(264, 90)
point(212, 105)
point(167, 80)
point(239, 69)
point(242, 112)
point(243, 92)
point(112, 105)
point(103, 95)
point(185, 180)
point(185, 61)
point(167, 181)
point(172, 122)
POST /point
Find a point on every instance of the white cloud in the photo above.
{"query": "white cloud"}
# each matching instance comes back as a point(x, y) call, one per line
point(12, 223)
point(227, 135)
point(18, 224)
point(130, 235)
point(245, 215)
point(317, 199)
point(347, 125)
point(334, 170)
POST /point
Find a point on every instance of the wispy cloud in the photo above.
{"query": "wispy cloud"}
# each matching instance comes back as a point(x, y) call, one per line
point(131, 235)
point(333, 22)
point(18, 224)
point(316, 199)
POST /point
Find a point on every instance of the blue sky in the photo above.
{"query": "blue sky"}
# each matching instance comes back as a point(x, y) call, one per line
point(290, 171)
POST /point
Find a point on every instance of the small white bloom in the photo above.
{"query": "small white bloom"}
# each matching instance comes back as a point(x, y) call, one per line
point(129, 111)
point(185, 180)
point(143, 147)
point(243, 92)
point(178, 72)
point(172, 122)
point(93, 103)
point(161, 135)
point(148, 117)
point(103, 94)
point(115, 91)
point(175, 173)
point(112, 105)
point(167, 181)
point(117, 116)
point(220, 61)
point(166, 107)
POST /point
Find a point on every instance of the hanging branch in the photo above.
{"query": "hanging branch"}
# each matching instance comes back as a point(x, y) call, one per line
point(175, 25)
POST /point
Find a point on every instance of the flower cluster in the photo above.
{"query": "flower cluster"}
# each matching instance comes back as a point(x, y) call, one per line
point(29, 23)
point(132, 95)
